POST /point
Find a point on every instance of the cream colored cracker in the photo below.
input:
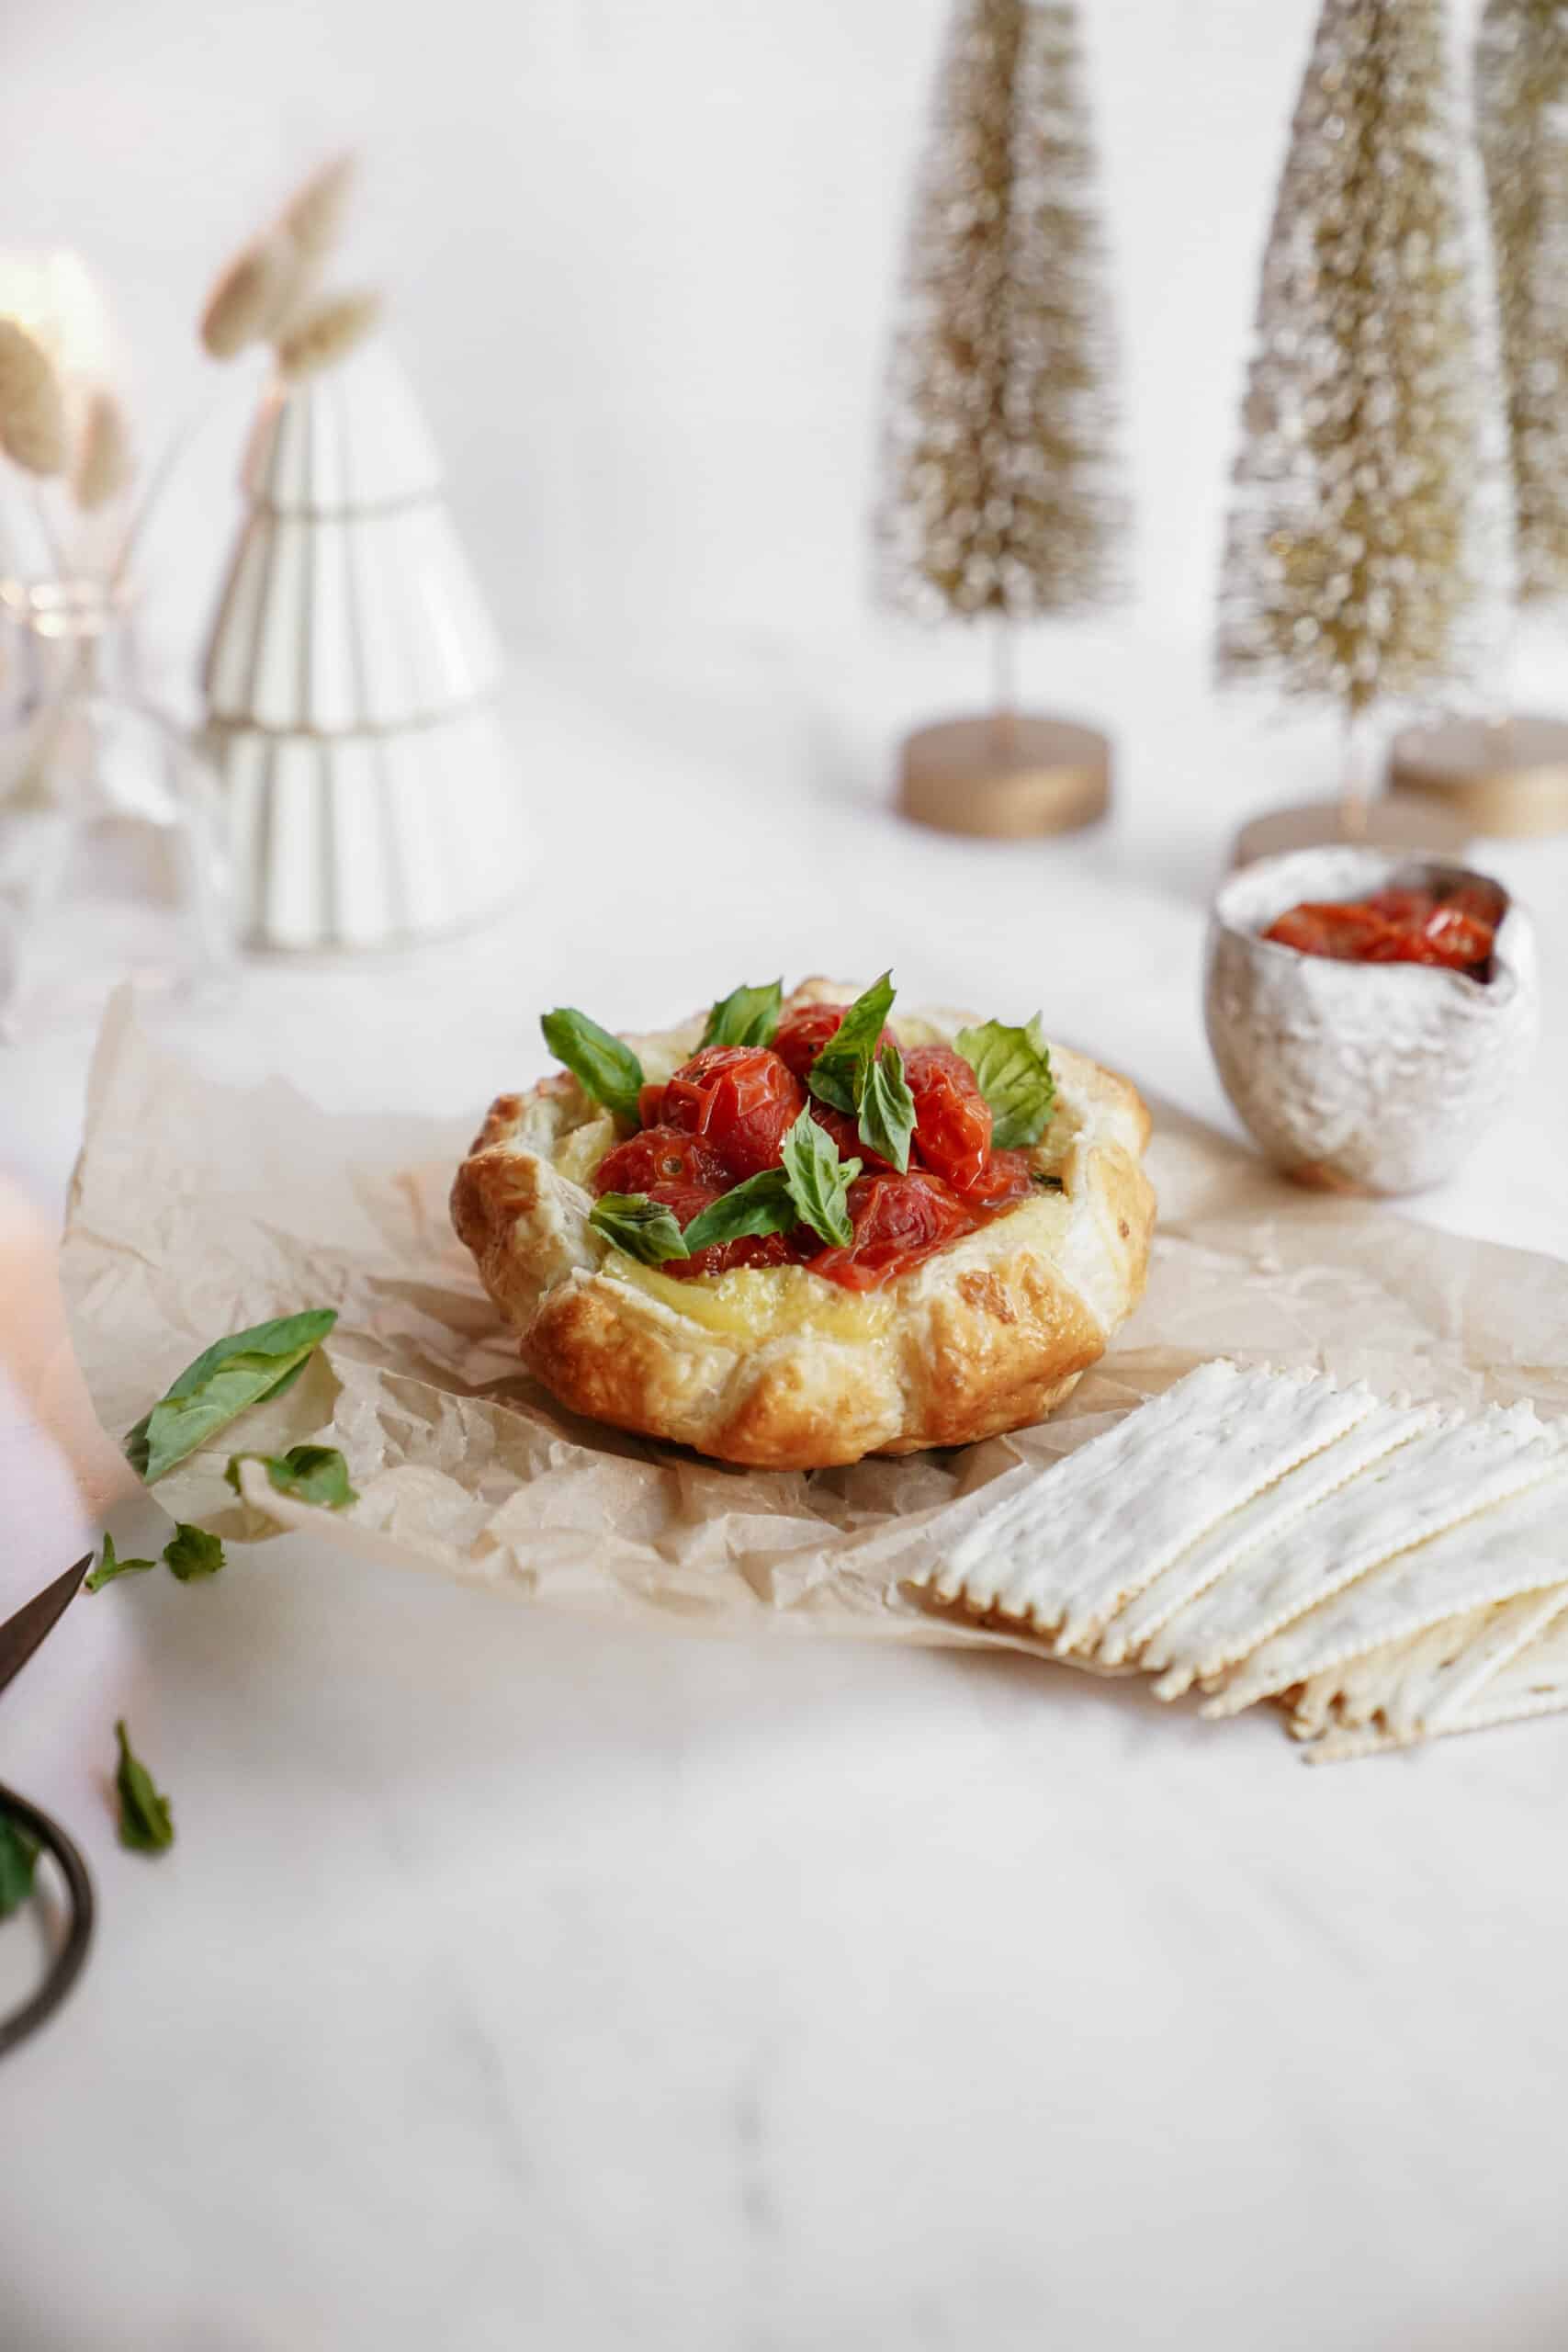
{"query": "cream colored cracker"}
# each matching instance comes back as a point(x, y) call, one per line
point(1450, 1474)
point(1066, 1551)
point(1533, 1682)
point(1406, 1689)
point(1519, 1544)
point(1365, 1693)
point(1268, 1517)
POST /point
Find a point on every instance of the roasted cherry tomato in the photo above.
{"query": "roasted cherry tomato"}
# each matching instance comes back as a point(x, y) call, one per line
point(1412, 943)
point(803, 1034)
point(660, 1156)
point(741, 1099)
point(897, 1221)
point(952, 1118)
point(751, 1250)
point(688, 1175)
point(1399, 926)
point(1457, 938)
point(685, 1199)
point(1399, 906)
point(650, 1102)
point(1444, 935)
point(1007, 1179)
point(1348, 934)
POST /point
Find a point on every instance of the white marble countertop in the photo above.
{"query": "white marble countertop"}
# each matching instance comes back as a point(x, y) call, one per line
point(520, 1982)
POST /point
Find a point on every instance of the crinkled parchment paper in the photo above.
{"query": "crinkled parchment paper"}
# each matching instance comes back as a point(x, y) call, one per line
point(199, 1208)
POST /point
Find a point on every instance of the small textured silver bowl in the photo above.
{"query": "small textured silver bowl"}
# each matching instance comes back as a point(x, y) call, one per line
point(1362, 1078)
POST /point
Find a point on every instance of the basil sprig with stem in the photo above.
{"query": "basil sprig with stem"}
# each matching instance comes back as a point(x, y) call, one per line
point(223, 1382)
point(1012, 1070)
point(809, 1187)
point(745, 1017)
point(855, 1072)
point(112, 1566)
point(603, 1065)
point(190, 1553)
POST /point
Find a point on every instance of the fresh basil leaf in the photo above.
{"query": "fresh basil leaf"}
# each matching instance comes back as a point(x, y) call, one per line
point(601, 1064)
point(111, 1566)
point(888, 1109)
point(839, 1073)
point(1012, 1069)
point(191, 1552)
point(819, 1180)
point(311, 1474)
point(644, 1229)
point(745, 1017)
point(223, 1382)
point(763, 1204)
point(145, 1823)
point(18, 1853)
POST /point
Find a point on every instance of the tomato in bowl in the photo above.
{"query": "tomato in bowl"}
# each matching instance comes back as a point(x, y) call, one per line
point(1369, 1016)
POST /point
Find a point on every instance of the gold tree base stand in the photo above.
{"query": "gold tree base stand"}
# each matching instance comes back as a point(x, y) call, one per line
point(1504, 776)
point(1007, 778)
point(1400, 825)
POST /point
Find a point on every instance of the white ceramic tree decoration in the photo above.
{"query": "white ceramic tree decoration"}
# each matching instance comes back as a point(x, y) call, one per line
point(350, 679)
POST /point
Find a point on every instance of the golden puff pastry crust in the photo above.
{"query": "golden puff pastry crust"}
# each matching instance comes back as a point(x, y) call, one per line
point(777, 1367)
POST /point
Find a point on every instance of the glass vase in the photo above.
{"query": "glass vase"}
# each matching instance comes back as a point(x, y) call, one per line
point(112, 863)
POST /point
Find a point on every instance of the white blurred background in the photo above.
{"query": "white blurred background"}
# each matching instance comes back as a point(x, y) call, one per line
point(642, 262)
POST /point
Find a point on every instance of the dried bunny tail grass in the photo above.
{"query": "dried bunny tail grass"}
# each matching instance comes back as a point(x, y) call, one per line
point(314, 213)
point(104, 463)
point(251, 295)
point(312, 221)
point(328, 332)
point(266, 293)
point(32, 403)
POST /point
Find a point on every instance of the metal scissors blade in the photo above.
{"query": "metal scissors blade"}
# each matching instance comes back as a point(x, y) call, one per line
point(19, 1637)
point(21, 1634)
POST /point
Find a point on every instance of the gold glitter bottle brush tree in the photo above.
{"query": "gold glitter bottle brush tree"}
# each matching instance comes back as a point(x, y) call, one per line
point(1503, 772)
point(999, 502)
point(1368, 558)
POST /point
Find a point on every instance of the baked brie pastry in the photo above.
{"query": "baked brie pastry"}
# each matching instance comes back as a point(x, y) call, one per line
point(802, 1231)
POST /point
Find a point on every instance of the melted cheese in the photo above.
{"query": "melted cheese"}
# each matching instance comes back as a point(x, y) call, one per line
point(578, 1153)
point(1038, 1224)
point(754, 1303)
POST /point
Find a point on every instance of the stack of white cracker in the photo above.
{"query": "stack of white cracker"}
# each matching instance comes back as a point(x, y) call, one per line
point(1386, 1572)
